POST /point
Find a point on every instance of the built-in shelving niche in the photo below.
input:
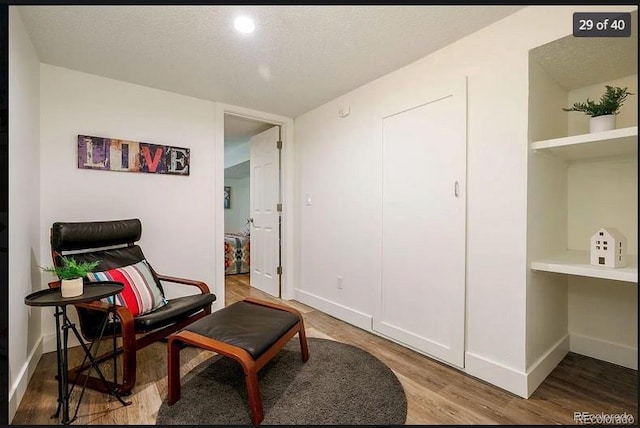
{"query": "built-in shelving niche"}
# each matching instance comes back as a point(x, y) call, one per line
point(579, 182)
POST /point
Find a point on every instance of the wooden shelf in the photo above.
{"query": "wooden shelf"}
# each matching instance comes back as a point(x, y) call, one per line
point(607, 144)
point(574, 262)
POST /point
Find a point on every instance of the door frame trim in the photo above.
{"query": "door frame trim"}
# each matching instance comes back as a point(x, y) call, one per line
point(287, 189)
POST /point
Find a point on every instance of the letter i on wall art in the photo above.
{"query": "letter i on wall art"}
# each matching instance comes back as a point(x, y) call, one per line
point(109, 154)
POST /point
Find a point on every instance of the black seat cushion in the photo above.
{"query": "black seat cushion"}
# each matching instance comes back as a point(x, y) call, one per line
point(252, 327)
point(174, 311)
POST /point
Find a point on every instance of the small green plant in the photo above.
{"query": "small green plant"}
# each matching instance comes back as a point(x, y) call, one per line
point(610, 103)
point(71, 269)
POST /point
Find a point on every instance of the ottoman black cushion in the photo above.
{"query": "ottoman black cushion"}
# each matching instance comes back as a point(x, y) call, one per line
point(251, 327)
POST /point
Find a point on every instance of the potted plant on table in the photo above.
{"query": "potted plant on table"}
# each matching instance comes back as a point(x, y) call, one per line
point(71, 273)
point(603, 113)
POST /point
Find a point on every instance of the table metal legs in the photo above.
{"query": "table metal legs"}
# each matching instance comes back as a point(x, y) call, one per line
point(63, 364)
point(62, 378)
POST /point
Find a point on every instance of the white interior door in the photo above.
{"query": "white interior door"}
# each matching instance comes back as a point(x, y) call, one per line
point(422, 296)
point(264, 195)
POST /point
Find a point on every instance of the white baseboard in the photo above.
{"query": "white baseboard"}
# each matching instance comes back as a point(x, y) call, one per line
point(615, 353)
point(538, 372)
point(517, 382)
point(497, 374)
point(19, 387)
point(334, 309)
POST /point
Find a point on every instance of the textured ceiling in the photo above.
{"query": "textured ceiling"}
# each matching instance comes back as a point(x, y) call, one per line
point(298, 58)
point(590, 59)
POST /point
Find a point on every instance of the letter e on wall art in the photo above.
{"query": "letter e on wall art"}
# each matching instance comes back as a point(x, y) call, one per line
point(109, 154)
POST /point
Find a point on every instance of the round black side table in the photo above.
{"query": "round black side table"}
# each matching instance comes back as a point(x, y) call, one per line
point(53, 297)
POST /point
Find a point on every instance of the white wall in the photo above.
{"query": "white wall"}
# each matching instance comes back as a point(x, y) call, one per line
point(339, 166)
point(236, 217)
point(603, 194)
point(236, 153)
point(603, 320)
point(25, 345)
point(177, 212)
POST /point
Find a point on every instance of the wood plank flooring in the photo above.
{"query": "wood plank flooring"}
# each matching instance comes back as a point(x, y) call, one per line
point(436, 393)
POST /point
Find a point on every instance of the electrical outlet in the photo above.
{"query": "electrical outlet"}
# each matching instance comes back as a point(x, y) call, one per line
point(339, 283)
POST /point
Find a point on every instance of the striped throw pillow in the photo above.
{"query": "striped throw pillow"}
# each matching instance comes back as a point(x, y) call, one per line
point(141, 294)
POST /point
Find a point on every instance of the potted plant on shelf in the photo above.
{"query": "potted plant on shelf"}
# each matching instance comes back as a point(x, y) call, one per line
point(603, 113)
point(71, 273)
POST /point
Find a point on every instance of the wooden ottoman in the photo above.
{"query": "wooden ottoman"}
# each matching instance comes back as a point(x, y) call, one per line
point(251, 332)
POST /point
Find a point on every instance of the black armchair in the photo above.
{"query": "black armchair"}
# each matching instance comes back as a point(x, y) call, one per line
point(113, 244)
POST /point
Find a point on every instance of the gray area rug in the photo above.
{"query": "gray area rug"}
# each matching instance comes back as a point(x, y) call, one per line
point(339, 384)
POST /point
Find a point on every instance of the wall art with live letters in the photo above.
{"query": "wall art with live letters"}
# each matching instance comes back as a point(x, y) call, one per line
point(110, 154)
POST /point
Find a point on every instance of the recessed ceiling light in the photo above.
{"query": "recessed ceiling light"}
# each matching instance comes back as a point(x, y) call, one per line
point(244, 24)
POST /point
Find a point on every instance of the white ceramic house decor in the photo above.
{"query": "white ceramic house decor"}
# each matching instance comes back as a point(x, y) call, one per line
point(609, 248)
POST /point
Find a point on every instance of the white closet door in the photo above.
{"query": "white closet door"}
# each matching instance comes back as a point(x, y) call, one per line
point(422, 299)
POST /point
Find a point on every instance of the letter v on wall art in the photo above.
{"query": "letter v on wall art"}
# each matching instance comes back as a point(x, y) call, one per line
point(109, 154)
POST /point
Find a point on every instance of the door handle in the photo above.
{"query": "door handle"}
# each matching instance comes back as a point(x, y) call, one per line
point(456, 189)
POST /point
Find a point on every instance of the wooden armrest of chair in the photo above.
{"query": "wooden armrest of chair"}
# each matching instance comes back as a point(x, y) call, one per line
point(54, 284)
point(204, 288)
point(126, 318)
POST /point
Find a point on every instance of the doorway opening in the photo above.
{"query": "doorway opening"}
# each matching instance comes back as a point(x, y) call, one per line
point(252, 203)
